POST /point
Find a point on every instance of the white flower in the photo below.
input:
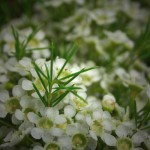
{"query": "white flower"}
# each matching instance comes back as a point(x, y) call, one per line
point(103, 17)
point(79, 134)
point(45, 126)
point(90, 76)
point(101, 126)
point(78, 102)
point(7, 104)
point(119, 37)
point(124, 144)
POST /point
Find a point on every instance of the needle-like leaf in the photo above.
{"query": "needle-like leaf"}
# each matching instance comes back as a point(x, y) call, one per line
point(52, 60)
point(40, 96)
point(39, 70)
point(42, 81)
point(59, 99)
point(72, 51)
point(78, 73)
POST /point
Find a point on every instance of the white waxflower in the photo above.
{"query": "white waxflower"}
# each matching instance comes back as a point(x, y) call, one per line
point(46, 126)
point(26, 64)
point(58, 63)
point(101, 126)
point(124, 144)
point(103, 17)
point(77, 102)
point(90, 76)
point(92, 105)
point(79, 134)
point(8, 104)
point(119, 37)
point(13, 66)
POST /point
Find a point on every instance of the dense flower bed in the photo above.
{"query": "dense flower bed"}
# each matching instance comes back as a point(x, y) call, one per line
point(74, 77)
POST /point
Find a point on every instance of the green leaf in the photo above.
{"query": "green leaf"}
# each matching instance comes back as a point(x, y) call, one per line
point(42, 81)
point(39, 70)
point(40, 96)
point(48, 75)
point(74, 93)
point(59, 99)
point(142, 44)
point(31, 35)
point(78, 96)
point(20, 46)
point(19, 51)
point(78, 73)
point(64, 88)
point(52, 59)
point(133, 110)
point(72, 51)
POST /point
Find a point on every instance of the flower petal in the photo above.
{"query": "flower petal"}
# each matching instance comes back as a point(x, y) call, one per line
point(27, 85)
point(109, 139)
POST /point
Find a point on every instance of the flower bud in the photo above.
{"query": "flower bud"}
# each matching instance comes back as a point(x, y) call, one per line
point(108, 103)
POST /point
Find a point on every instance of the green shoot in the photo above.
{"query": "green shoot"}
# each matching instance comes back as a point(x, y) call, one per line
point(40, 96)
point(72, 51)
point(21, 46)
point(52, 59)
point(142, 44)
point(52, 94)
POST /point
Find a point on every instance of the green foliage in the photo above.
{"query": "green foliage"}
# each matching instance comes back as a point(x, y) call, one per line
point(142, 44)
point(47, 80)
point(21, 46)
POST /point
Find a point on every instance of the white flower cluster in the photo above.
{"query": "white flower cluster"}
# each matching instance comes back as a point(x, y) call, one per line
point(73, 123)
point(49, 103)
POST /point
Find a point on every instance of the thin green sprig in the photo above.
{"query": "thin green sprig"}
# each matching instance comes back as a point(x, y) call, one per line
point(142, 116)
point(21, 49)
point(54, 95)
point(142, 44)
